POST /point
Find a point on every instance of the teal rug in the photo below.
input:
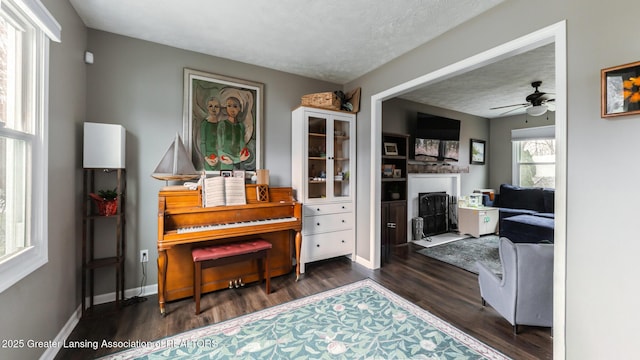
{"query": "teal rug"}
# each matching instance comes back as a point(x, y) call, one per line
point(362, 320)
point(464, 253)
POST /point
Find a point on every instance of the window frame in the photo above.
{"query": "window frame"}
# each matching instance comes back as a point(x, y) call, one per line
point(528, 134)
point(17, 266)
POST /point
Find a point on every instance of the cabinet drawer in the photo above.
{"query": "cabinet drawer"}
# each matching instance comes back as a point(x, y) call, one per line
point(323, 209)
point(326, 223)
point(324, 246)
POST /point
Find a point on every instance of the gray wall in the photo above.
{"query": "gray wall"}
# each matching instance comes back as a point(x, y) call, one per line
point(38, 306)
point(601, 246)
point(396, 112)
point(139, 84)
point(500, 145)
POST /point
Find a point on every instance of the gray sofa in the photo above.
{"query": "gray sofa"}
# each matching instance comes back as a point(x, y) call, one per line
point(524, 294)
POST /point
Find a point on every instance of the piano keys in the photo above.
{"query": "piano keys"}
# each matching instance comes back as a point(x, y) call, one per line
point(203, 228)
point(184, 224)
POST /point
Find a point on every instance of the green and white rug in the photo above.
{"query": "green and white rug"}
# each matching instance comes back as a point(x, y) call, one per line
point(362, 320)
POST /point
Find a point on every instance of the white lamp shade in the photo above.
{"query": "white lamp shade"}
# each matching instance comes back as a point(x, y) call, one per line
point(104, 146)
point(537, 110)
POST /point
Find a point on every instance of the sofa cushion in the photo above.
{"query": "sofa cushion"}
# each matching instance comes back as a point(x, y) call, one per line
point(548, 196)
point(528, 229)
point(516, 197)
point(546, 215)
point(505, 213)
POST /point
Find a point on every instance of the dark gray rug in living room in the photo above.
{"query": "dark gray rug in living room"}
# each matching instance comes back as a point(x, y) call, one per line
point(464, 253)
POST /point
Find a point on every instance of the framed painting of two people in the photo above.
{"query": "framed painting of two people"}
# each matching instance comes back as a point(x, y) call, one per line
point(222, 122)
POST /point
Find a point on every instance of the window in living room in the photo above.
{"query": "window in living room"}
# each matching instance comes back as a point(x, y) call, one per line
point(534, 156)
point(25, 29)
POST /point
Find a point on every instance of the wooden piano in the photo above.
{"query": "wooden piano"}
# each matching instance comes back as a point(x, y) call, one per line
point(184, 224)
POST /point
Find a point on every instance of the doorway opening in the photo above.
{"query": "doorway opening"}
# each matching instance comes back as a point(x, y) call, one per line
point(552, 34)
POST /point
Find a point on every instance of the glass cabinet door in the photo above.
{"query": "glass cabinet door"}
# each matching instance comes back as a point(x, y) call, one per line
point(328, 156)
point(317, 157)
point(341, 158)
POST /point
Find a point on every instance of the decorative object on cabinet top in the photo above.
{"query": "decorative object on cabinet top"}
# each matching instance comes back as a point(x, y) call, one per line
point(336, 100)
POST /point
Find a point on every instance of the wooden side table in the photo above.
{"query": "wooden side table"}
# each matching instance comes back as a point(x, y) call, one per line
point(477, 221)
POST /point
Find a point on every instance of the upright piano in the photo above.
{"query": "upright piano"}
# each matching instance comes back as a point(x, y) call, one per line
point(183, 223)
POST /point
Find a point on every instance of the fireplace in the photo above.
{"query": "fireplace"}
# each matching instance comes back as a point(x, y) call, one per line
point(433, 207)
point(437, 183)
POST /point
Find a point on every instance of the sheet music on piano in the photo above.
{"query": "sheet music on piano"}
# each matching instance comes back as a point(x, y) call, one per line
point(220, 191)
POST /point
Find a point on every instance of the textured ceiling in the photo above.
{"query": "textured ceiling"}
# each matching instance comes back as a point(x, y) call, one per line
point(502, 83)
point(336, 41)
point(331, 40)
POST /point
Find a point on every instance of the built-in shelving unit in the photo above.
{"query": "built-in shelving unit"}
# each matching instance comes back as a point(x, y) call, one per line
point(394, 192)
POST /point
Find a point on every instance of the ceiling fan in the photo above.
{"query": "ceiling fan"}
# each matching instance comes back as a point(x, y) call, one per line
point(537, 103)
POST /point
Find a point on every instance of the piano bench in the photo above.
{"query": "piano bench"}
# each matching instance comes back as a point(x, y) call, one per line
point(218, 255)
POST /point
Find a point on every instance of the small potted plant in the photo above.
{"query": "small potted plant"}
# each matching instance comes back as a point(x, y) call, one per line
point(106, 201)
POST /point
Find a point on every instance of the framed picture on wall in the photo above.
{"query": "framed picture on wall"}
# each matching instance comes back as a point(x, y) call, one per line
point(620, 88)
point(222, 122)
point(477, 152)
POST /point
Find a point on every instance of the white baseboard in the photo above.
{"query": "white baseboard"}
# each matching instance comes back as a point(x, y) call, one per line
point(62, 336)
point(66, 330)
point(364, 262)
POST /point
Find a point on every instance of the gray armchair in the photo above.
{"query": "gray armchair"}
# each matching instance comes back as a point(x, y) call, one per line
point(524, 295)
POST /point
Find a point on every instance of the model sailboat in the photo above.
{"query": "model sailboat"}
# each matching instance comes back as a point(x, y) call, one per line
point(176, 164)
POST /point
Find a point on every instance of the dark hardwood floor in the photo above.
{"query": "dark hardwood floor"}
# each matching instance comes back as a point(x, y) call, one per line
point(444, 290)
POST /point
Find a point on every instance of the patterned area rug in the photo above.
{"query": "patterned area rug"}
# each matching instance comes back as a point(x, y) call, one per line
point(464, 253)
point(360, 320)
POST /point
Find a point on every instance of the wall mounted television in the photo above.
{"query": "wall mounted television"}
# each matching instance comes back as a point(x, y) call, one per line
point(436, 138)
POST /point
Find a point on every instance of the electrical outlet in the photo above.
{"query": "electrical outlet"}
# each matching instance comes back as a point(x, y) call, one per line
point(144, 256)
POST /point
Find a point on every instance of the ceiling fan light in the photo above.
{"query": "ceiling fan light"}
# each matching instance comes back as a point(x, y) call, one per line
point(537, 110)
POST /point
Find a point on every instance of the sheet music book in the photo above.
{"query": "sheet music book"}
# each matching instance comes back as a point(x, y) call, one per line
point(220, 191)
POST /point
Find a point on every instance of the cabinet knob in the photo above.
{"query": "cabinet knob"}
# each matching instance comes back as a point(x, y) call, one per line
point(318, 209)
point(343, 221)
point(343, 241)
point(391, 225)
point(318, 224)
point(318, 245)
point(343, 207)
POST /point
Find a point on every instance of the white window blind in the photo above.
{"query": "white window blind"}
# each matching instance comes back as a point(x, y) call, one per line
point(534, 133)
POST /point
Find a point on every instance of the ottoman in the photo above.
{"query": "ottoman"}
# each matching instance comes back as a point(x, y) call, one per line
point(528, 229)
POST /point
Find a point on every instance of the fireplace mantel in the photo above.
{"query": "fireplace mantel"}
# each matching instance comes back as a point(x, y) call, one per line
point(428, 182)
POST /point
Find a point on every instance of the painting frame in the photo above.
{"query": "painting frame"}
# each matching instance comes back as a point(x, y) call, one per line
point(620, 90)
point(390, 149)
point(477, 151)
point(208, 152)
point(387, 170)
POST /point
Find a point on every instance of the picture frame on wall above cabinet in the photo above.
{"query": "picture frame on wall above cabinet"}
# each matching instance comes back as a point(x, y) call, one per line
point(620, 90)
point(390, 148)
point(216, 109)
point(477, 151)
